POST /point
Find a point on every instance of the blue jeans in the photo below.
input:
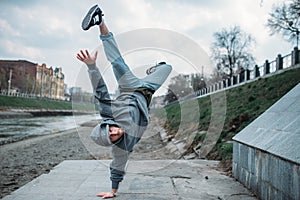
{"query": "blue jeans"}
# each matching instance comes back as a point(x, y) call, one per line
point(125, 78)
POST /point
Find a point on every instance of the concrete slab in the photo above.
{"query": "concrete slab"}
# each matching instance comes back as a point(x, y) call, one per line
point(277, 130)
point(145, 179)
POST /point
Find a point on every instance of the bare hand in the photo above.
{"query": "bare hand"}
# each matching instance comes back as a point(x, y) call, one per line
point(84, 56)
point(106, 195)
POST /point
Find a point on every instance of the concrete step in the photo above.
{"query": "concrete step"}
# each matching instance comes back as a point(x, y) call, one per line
point(145, 179)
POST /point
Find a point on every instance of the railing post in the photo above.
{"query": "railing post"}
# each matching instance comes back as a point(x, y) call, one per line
point(242, 76)
point(247, 75)
point(295, 56)
point(257, 73)
point(279, 62)
point(229, 82)
point(224, 83)
point(266, 67)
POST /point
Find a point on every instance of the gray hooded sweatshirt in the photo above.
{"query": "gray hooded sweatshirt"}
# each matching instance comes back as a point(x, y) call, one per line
point(128, 111)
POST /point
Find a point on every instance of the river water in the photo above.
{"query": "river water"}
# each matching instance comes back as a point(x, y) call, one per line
point(14, 129)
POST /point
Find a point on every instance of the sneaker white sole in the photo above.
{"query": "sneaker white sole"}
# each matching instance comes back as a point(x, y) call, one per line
point(87, 19)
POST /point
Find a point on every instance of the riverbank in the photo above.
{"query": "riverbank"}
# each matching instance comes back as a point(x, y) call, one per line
point(13, 129)
point(27, 159)
point(25, 113)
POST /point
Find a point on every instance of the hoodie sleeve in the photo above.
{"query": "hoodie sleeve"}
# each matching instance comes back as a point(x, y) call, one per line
point(98, 84)
point(117, 166)
point(101, 92)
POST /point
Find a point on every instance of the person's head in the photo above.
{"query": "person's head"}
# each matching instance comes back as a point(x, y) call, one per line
point(106, 135)
point(115, 133)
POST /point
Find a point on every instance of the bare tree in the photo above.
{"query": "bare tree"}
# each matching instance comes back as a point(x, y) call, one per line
point(232, 51)
point(285, 20)
point(178, 88)
point(198, 81)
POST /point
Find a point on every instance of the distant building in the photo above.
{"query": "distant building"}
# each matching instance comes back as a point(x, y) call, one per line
point(21, 76)
point(75, 90)
point(50, 83)
point(20, 73)
point(79, 95)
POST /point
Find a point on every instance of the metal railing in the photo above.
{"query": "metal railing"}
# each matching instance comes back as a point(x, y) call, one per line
point(32, 96)
point(267, 69)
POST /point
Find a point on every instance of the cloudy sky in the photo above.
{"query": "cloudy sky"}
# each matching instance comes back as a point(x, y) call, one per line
point(50, 31)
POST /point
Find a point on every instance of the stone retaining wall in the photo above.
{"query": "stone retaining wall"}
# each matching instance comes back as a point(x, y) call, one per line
point(266, 154)
point(268, 176)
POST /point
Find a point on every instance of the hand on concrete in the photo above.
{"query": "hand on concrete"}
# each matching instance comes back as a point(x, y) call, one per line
point(84, 56)
point(106, 195)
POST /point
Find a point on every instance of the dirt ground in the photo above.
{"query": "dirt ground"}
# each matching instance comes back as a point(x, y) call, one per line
point(25, 160)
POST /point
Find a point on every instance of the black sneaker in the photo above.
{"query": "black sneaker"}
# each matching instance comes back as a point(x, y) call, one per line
point(152, 69)
point(93, 17)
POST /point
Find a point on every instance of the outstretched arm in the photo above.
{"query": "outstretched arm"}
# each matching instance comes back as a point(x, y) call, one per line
point(98, 84)
point(84, 56)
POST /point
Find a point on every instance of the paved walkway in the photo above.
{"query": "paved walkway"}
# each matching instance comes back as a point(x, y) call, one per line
point(145, 179)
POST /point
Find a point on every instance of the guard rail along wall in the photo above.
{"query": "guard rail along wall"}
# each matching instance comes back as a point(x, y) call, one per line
point(267, 69)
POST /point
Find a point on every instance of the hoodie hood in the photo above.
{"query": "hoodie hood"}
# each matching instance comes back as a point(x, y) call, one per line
point(100, 135)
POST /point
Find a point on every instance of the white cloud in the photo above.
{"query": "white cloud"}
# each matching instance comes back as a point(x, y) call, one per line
point(6, 29)
point(49, 31)
point(18, 50)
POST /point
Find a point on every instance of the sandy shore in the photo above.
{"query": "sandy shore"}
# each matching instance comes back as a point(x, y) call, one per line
point(25, 160)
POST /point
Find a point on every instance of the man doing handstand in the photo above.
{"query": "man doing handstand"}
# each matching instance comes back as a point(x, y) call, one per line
point(125, 118)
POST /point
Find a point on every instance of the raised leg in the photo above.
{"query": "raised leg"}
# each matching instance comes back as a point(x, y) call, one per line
point(123, 74)
point(158, 77)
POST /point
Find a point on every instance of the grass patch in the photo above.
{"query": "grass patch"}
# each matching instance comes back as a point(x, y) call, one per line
point(244, 104)
point(20, 102)
point(42, 103)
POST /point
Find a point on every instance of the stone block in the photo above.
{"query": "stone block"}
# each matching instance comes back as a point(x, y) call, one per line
point(253, 184)
point(282, 105)
point(274, 172)
point(294, 93)
point(259, 137)
point(236, 153)
point(284, 119)
point(244, 156)
point(295, 107)
point(286, 177)
point(296, 181)
point(251, 161)
point(264, 190)
point(244, 176)
point(288, 148)
point(293, 126)
point(246, 134)
point(265, 120)
point(265, 168)
point(235, 170)
point(275, 194)
point(267, 157)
